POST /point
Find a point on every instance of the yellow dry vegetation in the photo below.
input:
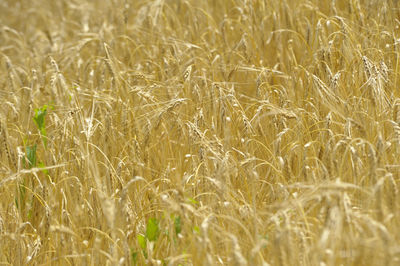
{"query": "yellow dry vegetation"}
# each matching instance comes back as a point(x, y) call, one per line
point(212, 132)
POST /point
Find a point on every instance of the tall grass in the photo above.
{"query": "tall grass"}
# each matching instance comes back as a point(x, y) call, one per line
point(199, 132)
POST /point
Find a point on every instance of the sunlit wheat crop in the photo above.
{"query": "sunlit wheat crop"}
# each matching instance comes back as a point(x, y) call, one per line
point(199, 132)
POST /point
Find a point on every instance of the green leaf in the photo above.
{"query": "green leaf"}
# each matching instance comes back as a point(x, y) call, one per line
point(196, 229)
point(142, 241)
point(40, 113)
point(134, 257)
point(41, 165)
point(143, 244)
point(178, 225)
point(31, 155)
point(193, 201)
point(152, 230)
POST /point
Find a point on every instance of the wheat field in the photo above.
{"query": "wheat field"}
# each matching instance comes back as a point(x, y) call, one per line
point(186, 132)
